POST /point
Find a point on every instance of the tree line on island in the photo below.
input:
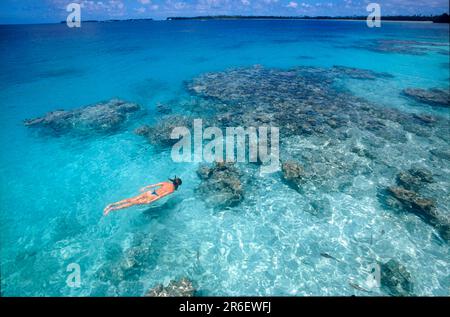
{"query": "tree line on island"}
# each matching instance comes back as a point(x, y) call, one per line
point(443, 18)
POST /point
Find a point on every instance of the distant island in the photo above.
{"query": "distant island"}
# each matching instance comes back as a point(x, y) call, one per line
point(112, 20)
point(443, 18)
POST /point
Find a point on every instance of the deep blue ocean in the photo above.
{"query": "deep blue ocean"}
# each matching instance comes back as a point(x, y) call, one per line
point(53, 189)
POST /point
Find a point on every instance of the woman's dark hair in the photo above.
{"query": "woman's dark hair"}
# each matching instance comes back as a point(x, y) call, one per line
point(176, 181)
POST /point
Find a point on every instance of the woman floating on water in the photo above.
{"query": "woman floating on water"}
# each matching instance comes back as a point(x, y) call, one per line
point(147, 197)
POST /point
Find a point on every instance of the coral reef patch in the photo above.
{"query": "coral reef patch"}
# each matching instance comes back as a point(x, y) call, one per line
point(433, 96)
point(176, 288)
point(103, 117)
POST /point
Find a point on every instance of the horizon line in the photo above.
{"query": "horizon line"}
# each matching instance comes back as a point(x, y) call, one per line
point(412, 18)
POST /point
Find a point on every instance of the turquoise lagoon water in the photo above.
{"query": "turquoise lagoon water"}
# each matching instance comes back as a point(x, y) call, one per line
point(53, 189)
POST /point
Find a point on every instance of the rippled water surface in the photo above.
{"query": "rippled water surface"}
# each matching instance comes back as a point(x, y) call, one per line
point(275, 241)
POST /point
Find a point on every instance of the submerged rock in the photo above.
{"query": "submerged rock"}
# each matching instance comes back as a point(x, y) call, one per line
point(221, 184)
point(293, 174)
point(128, 265)
point(358, 73)
point(413, 202)
point(204, 172)
point(423, 207)
point(424, 118)
point(159, 133)
point(414, 178)
point(441, 153)
point(395, 278)
point(433, 96)
point(134, 258)
point(163, 108)
point(176, 288)
point(103, 117)
point(142, 130)
point(110, 273)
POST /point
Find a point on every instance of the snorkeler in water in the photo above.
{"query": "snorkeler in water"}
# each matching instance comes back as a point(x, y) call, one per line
point(159, 191)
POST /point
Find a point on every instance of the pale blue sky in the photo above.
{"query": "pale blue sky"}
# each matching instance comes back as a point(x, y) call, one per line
point(43, 11)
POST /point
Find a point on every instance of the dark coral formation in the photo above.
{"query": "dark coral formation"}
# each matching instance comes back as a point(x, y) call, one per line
point(441, 153)
point(293, 174)
point(358, 73)
point(274, 84)
point(411, 201)
point(425, 208)
point(221, 184)
point(302, 100)
point(176, 288)
point(159, 133)
point(414, 178)
point(163, 108)
point(103, 117)
point(407, 196)
point(396, 279)
point(410, 47)
point(434, 96)
point(397, 46)
point(131, 262)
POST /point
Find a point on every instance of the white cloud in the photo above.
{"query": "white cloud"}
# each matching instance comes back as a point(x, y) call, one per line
point(245, 2)
point(292, 5)
point(179, 5)
point(112, 7)
point(214, 6)
point(148, 4)
point(212, 3)
point(172, 6)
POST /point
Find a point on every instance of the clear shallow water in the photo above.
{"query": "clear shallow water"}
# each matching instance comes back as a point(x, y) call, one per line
point(53, 190)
